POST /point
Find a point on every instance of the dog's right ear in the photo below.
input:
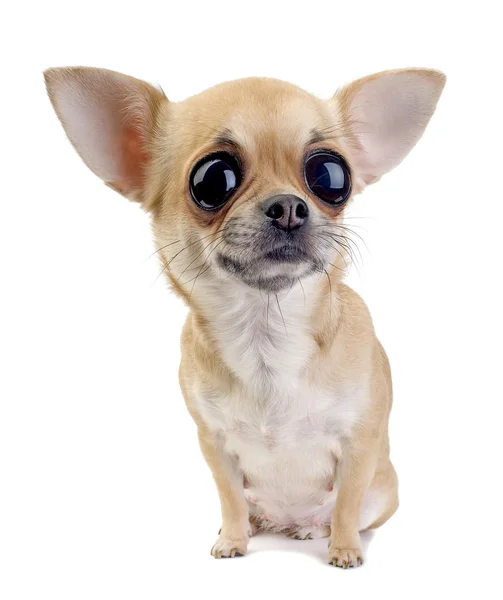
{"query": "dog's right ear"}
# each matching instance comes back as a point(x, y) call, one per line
point(108, 117)
point(385, 114)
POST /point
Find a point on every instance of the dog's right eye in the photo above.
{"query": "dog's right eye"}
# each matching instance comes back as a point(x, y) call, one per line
point(214, 179)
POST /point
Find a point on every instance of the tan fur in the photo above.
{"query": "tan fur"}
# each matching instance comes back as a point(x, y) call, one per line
point(272, 123)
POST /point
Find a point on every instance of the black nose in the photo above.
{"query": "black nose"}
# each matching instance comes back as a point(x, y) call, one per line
point(286, 211)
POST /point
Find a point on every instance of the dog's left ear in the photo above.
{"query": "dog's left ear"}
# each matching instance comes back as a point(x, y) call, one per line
point(384, 115)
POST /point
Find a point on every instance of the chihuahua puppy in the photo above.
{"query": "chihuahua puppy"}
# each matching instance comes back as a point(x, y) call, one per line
point(247, 185)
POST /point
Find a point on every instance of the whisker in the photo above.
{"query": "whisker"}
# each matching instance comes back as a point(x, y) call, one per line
point(163, 247)
point(281, 313)
point(188, 245)
point(349, 249)
point(161, 272)
point(330, 285)
point(334, 246)
point(347, 243)
point(289, 289)
point(354, 246)
point(303, 291)
point(194, 259)
point(346, 228)
point(201, 273)
point(167, 263)
point(267, 316)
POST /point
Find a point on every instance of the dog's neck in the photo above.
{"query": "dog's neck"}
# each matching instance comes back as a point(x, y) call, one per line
point(267, 339)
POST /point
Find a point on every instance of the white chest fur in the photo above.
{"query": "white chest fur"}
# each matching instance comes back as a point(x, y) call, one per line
point(265, 339)
point(284, 433)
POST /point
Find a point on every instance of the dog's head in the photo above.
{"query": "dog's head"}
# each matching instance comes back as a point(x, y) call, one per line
point(248, 180)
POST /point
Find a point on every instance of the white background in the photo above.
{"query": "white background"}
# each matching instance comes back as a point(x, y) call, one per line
point(104, 493)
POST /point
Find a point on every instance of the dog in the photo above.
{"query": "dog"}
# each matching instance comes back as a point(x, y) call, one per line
point(247, 185)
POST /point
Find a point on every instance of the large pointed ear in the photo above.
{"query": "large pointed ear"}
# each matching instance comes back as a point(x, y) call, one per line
point(384, 115)
point(108, 117)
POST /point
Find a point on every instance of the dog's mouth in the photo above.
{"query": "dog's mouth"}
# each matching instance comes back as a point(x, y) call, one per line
point(272, 270)
point(270, 259)
point(286, 253)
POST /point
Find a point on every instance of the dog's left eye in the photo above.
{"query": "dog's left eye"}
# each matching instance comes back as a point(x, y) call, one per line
point(214, 179)
point(327, 176)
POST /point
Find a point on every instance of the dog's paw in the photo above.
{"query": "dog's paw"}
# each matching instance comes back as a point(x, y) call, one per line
point(229, 547)
point(345, 558)
point(311, 532)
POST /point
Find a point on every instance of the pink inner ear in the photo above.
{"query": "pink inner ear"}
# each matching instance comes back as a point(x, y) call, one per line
point(133, 160)
point(106, 115)
point(390, 112)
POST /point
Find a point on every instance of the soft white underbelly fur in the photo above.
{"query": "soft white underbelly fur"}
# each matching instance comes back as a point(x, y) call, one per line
point(287, 452)
point(293, 488)
point(287, 487)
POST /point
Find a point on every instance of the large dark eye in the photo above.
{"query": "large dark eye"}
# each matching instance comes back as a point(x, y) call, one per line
point(327, 176)
point(214, 179)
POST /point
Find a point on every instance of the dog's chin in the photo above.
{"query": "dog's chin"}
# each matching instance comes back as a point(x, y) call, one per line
point(272, 271)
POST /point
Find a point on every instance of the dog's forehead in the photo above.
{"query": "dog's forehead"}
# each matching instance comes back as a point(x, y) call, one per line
point(252, 111)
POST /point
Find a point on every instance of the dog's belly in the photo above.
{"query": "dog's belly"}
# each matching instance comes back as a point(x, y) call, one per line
point(287, 447)
point(288, 482)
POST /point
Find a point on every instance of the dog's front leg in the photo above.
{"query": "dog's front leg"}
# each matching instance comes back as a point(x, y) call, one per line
point(235, 532)
point(357, 467)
